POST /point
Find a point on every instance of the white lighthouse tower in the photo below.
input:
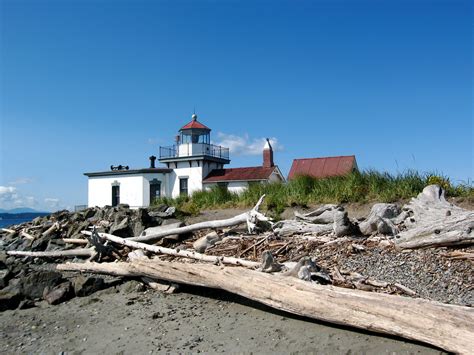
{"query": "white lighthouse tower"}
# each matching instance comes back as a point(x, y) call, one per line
point(192, 158)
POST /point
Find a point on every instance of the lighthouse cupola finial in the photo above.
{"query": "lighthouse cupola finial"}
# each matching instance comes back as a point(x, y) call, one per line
point(194, 117)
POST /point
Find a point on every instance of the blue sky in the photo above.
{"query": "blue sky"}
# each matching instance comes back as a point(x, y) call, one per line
point(86, 84)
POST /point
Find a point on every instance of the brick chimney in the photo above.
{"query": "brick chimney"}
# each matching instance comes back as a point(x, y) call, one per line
point(268, 155)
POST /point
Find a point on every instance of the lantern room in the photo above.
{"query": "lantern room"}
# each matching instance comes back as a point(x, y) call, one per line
point(195, 132)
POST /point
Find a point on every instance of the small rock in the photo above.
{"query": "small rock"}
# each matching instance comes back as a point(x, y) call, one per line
point(9, 299)
point(4, 277)
point(33, 285)
point(85, 286)
point(59, 294)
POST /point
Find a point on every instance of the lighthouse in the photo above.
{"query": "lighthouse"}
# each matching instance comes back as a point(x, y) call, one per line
point(192, 157)
point(191, 164)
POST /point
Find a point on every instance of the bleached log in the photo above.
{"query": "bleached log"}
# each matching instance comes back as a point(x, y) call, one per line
point(446, 326)
point(288, 228)
point(7, 230)
point(177, 252)
point(52, 229)
point(252, 218)
point(327, 219)
point(26, 235)
point(54, 253)
point(433, 221)
point(380, 219)
point(75, 241)
point(206, 241)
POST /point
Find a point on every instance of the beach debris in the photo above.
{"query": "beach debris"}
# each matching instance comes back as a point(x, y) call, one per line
point(206, 242)
point(411, 318)
point(253, 218)
point(380, 220)
point(327, 219)
point(432, 221)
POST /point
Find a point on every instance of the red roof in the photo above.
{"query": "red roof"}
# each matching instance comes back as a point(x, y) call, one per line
point(322, 167)
point(239, 174)
point(194, 124)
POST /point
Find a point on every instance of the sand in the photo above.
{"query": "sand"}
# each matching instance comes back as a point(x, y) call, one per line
point(122, 320)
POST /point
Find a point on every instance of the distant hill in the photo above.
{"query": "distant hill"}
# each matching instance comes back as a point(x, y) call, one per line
point(21, 210)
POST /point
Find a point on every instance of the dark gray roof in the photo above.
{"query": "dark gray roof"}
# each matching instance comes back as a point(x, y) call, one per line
point(130, 172)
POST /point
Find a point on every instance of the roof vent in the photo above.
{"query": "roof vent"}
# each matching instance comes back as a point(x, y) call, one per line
point(152, 162)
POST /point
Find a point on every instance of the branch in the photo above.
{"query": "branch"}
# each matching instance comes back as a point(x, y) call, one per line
point(251, 217)
point(177, 252)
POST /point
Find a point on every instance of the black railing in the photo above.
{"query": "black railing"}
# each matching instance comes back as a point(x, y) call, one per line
point(186, 150)
point(168, 152)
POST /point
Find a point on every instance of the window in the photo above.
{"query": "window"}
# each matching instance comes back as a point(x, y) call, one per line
point(115, 195)
point(223, 185)
point(155, 190)
point(183, 186)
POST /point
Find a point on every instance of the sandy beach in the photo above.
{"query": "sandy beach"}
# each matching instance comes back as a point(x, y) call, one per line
point(127, 319)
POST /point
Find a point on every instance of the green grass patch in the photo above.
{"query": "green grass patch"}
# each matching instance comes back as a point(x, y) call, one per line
point(361, 187)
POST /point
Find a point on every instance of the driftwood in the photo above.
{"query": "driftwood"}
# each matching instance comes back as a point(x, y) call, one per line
point(460, 255)
point(252, 218)
point(55, 227)
point(206, 241)
point(380, 220)
point(432, 221)
point(26, 235)
point(7, 230)
point(177, 252)
point(54, 253)
point(445, 326)
point(75, 241)
point(327, 219)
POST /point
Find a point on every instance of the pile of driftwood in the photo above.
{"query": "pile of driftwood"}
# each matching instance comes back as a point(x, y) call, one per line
point(270, 263)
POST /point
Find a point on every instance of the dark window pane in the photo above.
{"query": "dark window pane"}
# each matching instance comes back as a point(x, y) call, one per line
point(155, 191)
point(115, 195)
point(183, 186)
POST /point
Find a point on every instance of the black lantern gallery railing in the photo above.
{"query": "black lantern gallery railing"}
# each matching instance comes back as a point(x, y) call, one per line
point(189, 150)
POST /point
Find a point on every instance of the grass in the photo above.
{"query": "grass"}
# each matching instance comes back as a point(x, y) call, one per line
point(361, 187)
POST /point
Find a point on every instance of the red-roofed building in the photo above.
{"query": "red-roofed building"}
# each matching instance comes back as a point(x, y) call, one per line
point(238, 179)
point(323, 167)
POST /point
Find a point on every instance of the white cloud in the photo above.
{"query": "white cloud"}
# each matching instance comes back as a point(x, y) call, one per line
point(21, 181)
point(244, 145)
point(10, 197)
point(8, 194)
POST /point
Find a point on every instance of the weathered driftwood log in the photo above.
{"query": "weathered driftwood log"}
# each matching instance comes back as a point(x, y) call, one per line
point(55, 227)
point(446, 326)
point(177, 252)
point(54, 253)
point(327, 219)
point(75, 241)
point(380, 219)
point(252, 218)
point(26, 235)
point(288, 228)
point(7, 230)
point(433, 221)
point(206, 241)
